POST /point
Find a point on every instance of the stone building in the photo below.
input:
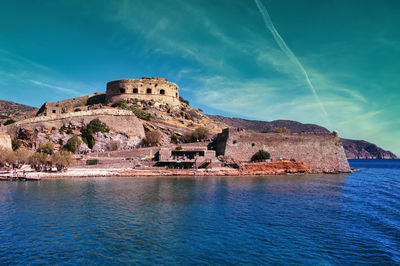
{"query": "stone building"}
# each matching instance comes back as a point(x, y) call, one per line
point(157, 89)
point(188, 157)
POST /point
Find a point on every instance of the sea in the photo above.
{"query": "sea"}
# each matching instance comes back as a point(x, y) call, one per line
point(344, 219)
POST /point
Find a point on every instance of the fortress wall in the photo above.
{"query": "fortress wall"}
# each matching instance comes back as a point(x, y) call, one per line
point(161, 90)
point(122, 121)
point(320, 152)
point(5, 141)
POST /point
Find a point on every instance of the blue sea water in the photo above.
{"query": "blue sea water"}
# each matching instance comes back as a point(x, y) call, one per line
point(310, 219)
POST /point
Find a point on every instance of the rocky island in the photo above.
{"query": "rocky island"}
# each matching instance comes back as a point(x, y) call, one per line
point(143, 127)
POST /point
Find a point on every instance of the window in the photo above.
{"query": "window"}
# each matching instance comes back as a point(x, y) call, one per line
point(54, 111)
point(121, 90)
point(148, 91)
point(162, 92)
point(176, 94)
point(135, 90)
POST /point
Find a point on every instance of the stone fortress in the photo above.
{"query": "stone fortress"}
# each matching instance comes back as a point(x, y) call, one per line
point(157, 89)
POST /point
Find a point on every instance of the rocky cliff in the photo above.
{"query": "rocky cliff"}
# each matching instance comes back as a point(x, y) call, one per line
point(354, 149)
point(10, 110)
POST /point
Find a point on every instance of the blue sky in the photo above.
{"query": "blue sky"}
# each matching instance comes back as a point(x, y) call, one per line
point(333, 63)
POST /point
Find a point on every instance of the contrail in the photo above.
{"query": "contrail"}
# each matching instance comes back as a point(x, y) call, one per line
point(289, 53)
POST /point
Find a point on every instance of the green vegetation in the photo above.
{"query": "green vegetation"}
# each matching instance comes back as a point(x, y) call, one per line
point(122, 104)
point(62, 159)
point(282, 130)
point(90, 129)
point(179, 148)
point(260, 156)
point(39, 159)
point(92, 162)
point(198, 134)
point(15, 143)
point(13, 159)
point(175, 138)
point(73, 144)
point(47, 148)
point(152, 138)
point(183, 100)
point(9, 122)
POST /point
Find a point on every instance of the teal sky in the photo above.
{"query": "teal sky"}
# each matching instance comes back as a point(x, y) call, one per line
point(334, 63)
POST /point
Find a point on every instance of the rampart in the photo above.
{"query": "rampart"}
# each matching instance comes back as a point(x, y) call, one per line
point(157, 89)
point(5, 141)
point(321, 152)
point(122, 121)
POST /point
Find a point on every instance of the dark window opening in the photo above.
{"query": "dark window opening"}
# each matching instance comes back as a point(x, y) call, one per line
point(54, 111)
point(121, 90)
point(162, 92)
point(135, 90)
point(176, 95)
point(148, 91)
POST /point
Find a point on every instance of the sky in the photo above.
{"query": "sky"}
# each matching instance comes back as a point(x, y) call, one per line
point(334, 63)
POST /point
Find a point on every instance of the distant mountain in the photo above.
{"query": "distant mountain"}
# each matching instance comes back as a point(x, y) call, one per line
point(263, 126)
point(11, 109)
point(354, 149)
point(361, 149)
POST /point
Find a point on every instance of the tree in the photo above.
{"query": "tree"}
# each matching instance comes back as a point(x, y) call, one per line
point(73, 144)
point(15, 143)
point(62, 159)
point(38, 159)
point(152, 138)
point(90, 129)
point(260, 155)
point(47, 148)
point(199, 133)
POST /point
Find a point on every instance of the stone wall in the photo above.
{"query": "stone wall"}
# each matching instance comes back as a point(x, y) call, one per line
point(158, 89)
point(122, 121)
point(71, 105)
point(5, 141)
point(320, 152)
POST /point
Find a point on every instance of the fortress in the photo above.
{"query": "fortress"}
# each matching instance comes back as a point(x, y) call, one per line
point(157, 89)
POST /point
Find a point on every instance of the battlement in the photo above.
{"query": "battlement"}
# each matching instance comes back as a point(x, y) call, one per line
point(160, 90)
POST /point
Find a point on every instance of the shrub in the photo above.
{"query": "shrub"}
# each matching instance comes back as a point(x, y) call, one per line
point(175, 138)
point(152, 138)
point(113, 145)
point(97, 126)
point(62, 159)
point(73, 144)
point(62, 129)
point(53, 128)
point(92, 162)
point(47, 148)
point(15, 143)
point(192, 114)
point(179, 148)
point(282, 130)
point(260, 155)
point(120, 104)
point(23, 134)
point(69, 131)
point(183, 100)
point(93, 127)
point(9, 122)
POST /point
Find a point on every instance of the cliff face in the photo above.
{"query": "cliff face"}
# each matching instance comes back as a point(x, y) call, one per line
point(354, 149)
point(360, 149)
point(323, 152)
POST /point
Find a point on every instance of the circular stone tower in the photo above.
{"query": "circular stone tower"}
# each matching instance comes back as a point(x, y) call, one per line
point(159, 90)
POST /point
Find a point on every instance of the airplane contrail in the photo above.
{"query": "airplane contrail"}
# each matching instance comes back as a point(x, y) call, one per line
point(289, 54)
